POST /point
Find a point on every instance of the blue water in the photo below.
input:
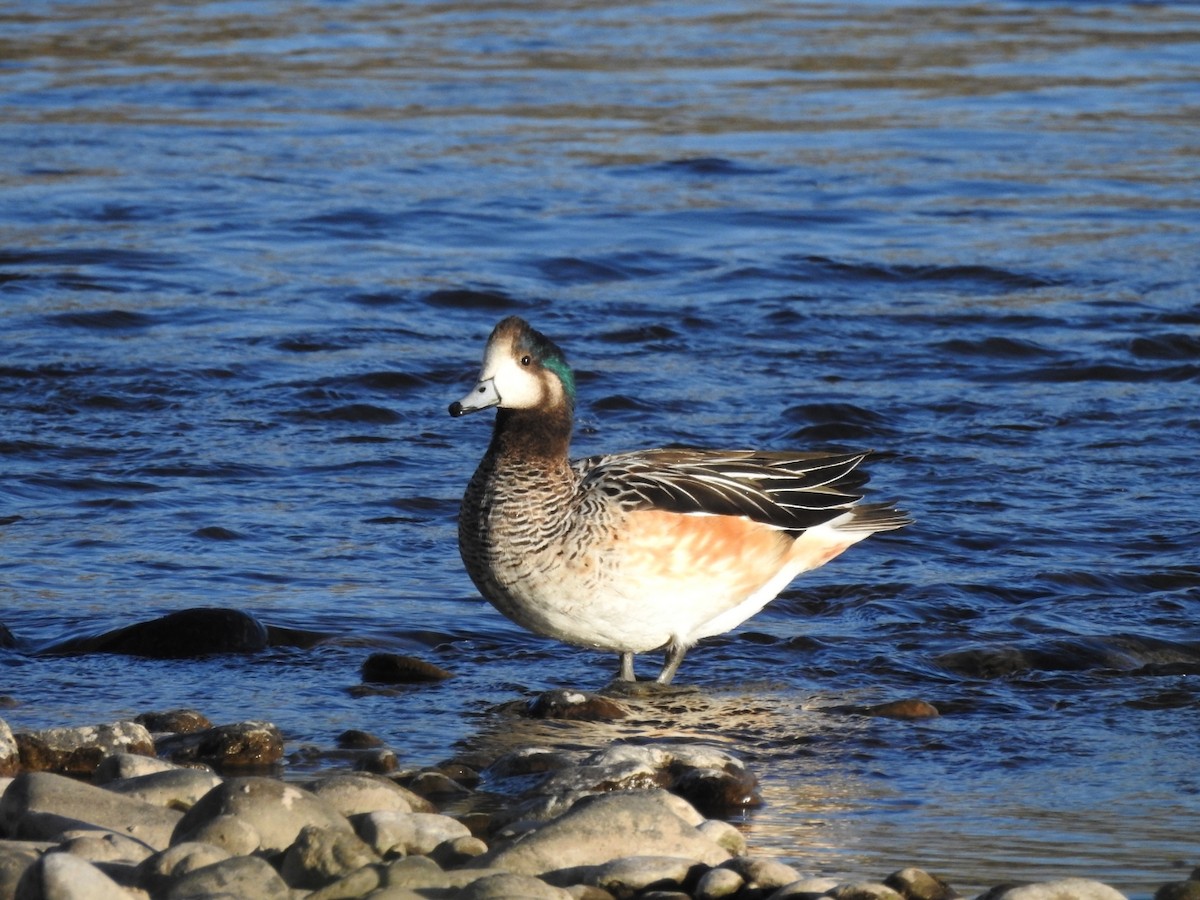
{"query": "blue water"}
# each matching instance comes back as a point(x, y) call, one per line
point(249, 251)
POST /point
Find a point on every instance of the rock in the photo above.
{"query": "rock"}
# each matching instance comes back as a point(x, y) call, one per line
point(456, 852)
point(903, 709)
point(62, 876)
point(392, 668)
point(78, 751)
point(15, 858)
point(1180, 890)
point(234, 835)
point(358, 740)
point(530, 761)
point(508, 886)
point(184, 634)
point(915, 884)
point(118, 766)
point(602, 828)
point(712, 780)
point(175, 721)
point(358, 883)
point(719, 883)
point(10, 753)
point(354, 794)
point(104, 847)
point(806, 889)
point(1065, 889)
point(437, 784)
point(631, 876)
point(321, 856)
point(40, 805)
point(864, 890)
point(174, 788)
point(575, 706)
point(276, 811)
point(762, 875)
point(723, 833)
point(377, 762)
point(241, 746)
point(241, 877)
point(407, 834)
point(160, 871)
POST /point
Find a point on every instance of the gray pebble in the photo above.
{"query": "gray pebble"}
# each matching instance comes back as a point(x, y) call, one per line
point(1064, 889)
point(243, 877)
point(275, 810)
point(321, 856)
point(356, 794)
point(719, 883)
point(40, 805)
point(157, 873)
point(63, 876)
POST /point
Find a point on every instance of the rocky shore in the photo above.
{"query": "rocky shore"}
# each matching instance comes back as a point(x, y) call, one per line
point(171, 806)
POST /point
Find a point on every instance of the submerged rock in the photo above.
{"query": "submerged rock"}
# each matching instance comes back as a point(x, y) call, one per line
point(393, 668)
point(242, 745)
point(179, 635)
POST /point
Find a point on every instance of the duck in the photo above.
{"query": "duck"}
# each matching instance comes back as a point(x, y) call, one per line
point(640, 551)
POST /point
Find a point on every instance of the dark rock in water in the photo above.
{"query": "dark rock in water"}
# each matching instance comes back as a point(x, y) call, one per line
point(175, 721)
point(358, 740)
point(241, 746)
point(575, 706)
point(7, 639)
point(1180, 890)
point(393, 668)
point(178, 635)
point(278, 636)
point(903, 709)
point(78, 751)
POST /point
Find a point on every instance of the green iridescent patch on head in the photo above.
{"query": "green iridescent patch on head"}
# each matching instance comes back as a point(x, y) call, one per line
point(551, 357)
point(559, 367)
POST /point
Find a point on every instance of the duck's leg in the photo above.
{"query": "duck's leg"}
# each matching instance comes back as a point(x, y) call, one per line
point(626, 673)
point(675, 655)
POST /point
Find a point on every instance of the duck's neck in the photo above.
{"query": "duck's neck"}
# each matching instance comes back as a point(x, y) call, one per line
point(532, 436)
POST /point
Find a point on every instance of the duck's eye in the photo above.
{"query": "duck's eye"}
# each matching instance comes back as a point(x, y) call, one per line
point(526, 360)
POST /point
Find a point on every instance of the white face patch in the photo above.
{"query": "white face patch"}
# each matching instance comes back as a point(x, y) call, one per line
point(518, 386)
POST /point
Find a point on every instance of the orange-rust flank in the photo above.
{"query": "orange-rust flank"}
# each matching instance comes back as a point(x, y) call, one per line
point(730, 549)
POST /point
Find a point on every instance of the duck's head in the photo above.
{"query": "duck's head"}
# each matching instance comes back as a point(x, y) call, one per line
point(522, 369)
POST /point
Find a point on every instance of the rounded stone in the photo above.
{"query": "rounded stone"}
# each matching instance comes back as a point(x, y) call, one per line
point(722, 833)
point(275, 810)
point(602, 828)
point(356, 794)
point(321, 856)
point(719, 883)
point(507, 886)
point(64, 876)
point(917, 884)
point(239, 746)
point(762, 874)
point(175, 721)
point(1063, 889)
point(864, 890)
point(161, 870)
point(634, 875)
point(234, 835)
point(244, 877)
